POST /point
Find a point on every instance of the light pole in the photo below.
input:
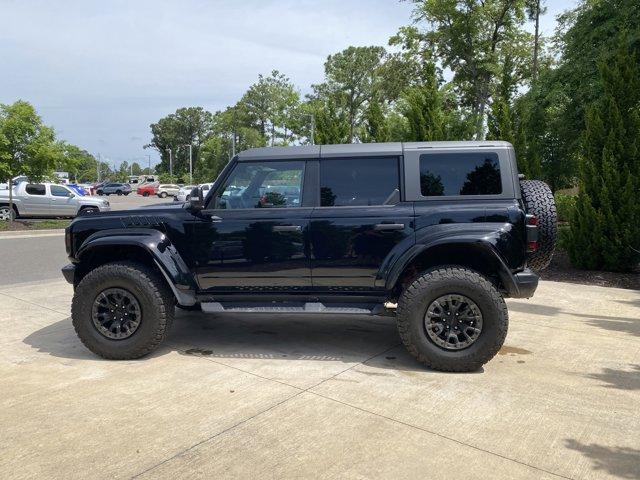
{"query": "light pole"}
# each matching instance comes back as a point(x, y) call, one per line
point(313, 126)
point(190, 162)
point(170, 163)
point(149, 159)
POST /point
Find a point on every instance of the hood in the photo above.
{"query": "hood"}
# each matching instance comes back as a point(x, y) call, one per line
point(86, 200)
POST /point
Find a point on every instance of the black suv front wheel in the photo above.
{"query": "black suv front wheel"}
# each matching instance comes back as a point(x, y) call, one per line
point(122, 310)
point(452, 319)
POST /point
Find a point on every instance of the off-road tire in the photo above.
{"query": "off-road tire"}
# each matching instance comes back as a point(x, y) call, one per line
point(412, 307)
point(156, 302)
point(539, 201)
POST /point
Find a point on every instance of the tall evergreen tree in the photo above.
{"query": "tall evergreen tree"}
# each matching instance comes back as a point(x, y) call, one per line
point(376, 129)
point(605, 229)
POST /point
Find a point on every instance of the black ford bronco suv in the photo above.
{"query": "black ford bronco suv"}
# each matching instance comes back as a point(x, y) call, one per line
point(434, 233)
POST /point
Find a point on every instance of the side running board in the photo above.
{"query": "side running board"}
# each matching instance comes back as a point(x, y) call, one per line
point(296, 307)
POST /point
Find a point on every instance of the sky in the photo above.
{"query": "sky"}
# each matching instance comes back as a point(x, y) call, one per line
point(100, 72)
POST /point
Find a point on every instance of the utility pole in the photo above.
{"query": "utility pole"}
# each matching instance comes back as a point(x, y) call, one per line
point(149, 159)
point(170, 163)
point(313, 126)
point(233, 141)
point(190, 163)
point(98, 168)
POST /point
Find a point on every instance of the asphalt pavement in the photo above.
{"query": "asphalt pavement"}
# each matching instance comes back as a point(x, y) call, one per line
point(30, 257)
point(34, 256)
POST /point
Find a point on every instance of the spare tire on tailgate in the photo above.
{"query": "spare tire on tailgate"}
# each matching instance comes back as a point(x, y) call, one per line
point(539, 201)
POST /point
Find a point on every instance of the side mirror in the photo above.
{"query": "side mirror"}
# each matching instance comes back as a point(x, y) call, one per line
point(71, 195)
point(196, 201)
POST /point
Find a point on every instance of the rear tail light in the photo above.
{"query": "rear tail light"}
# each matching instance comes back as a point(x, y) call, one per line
point(531, 222)
point(67, 240)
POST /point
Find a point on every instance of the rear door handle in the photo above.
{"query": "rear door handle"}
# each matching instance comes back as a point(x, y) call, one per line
point(286, 228)
point(384, 227)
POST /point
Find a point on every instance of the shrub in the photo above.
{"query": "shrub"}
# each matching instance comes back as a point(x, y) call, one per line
point(605, 225)
point(565, 205)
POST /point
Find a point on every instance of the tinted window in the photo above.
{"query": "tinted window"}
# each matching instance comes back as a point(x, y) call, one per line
point(474, 173)
point(358, 181)
point(58, 191)
point(262, 185)
point(35, 189)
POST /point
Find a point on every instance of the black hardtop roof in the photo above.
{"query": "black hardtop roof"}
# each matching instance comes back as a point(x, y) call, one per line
point(356, 149)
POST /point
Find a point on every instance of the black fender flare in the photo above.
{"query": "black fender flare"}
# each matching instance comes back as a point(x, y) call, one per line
point(478, 238)
point(161, 250)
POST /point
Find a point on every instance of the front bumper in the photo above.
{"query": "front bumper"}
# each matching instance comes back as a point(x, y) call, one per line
point(69, 273)
point(526, 283)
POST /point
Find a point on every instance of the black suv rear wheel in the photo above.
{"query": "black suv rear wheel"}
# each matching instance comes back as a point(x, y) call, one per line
point(122, 310)
point(452, 319)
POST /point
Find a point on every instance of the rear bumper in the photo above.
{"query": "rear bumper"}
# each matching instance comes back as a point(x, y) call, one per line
point(526, 283)
point(69, 273)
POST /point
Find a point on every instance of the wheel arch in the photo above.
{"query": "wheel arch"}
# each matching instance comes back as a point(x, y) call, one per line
point(151, 248)
point(477, 255)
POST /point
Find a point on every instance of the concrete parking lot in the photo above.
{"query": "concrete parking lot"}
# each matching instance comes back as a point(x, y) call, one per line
point(250, 396)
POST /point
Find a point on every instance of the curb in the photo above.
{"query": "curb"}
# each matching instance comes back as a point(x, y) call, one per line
point(52, 232)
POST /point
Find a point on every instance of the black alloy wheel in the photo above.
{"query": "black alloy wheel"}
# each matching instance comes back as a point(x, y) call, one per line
point(453, 322)
point(116, 313)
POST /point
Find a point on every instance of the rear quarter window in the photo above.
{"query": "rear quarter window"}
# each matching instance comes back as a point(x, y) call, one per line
point(460, 173)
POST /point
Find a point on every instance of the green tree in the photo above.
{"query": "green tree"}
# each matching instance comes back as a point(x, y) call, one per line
point(351, 78)
point(605, 228)
point(271, 106)
point(27, 146)
point(376, 129)
point(472, 38)
point(187, 126)
point(331, 122)
point(80, 163)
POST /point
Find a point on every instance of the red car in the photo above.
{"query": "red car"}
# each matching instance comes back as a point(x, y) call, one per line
point(146, 190)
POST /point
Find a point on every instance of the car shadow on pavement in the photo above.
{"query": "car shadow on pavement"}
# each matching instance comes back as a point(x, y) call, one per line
point(60, 340)
point(258, 336)
point(619, 379)
point(628, 325)
point(621, 462)
point(619, 324)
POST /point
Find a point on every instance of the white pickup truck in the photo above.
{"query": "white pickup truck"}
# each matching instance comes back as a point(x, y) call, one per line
point(46, 200)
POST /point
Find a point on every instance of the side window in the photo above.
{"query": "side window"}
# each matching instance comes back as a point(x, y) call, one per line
point(359, 181)
point(473, 173)
point(36, 189)
point(58, 191)
point(262, 185)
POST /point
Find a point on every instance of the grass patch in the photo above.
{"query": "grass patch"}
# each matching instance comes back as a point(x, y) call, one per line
point(19, 225)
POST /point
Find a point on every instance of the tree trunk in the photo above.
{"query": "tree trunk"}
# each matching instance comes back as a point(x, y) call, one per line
point(536, 42)
point(10, 202)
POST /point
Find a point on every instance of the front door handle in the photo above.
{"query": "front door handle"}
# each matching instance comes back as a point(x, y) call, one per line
point(385, 227)
point(286, 228)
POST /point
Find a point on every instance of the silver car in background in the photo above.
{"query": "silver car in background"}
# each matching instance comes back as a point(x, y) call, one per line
point(47, 200)
point(183, 193)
